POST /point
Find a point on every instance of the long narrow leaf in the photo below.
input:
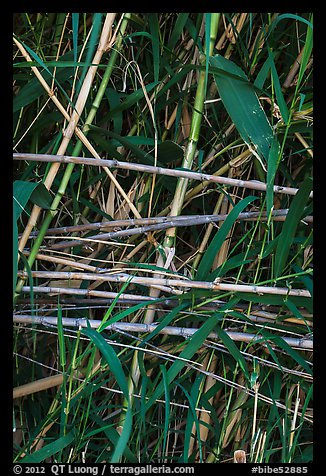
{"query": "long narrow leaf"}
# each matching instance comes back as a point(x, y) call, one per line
point(273, 160)
point(191, 348)
point(115, 365)
point(290, 226)
point(49, 449)
point(75, 21)
point(216, 243)
point(242, 104)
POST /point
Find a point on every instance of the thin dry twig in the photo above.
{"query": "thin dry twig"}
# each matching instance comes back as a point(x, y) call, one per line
point(251, 184)
point(302, 343)
point(184, 283)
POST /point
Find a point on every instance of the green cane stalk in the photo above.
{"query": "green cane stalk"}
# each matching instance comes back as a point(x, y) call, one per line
point(182, 183)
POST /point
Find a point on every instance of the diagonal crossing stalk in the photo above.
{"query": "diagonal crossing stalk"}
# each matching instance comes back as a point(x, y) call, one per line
point(72, 124)
point(78, 109)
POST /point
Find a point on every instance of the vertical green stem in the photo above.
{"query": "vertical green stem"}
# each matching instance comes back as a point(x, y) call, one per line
point(189, 156)
point(194, 134)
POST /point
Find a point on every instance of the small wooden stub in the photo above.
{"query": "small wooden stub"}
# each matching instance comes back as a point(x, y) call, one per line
point(239, 456)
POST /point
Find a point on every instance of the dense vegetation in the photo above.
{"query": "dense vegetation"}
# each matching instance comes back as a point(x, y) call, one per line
point(138, 337)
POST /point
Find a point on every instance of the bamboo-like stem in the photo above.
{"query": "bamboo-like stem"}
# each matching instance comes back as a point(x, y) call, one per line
point(183, 283)
point(225, 381)
point(253, 432)
point(86, 292)
point(181, 187)
point(215, 20)
point(304, 143)
point(106, 297)
point(302, 343)
point(37, 386)
point(185, 220)
point(162, 226)
point(251, 184)
point(188, 159)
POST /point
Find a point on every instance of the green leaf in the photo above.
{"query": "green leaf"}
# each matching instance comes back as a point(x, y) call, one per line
point(112, 435)
point(290, 226)
point(42, 197)
point(115, 366)
point(191, 417)
point(263, 73)
point(307, 281)
point(273, 160)
point(243, 106)
point(50, 449)
point(166, 321)
point(168, 151)
point(233, 349)
point(177, 30)
point(131, 99)
point(22, 192)
point(75, 21)
point(114, 101)
point(192, 408)
point(129, 144)
point(293, 308)
point(124, 437)
point(30, 281)
point(278, 89)
point(216, 243)
point(167, 407)
point(92, 45)
point(191, 348)
point(291, 352)
point(33, 88)
point(154, 28)
point(308, 43)
point(44, 66)
point(110, 356)
point(93, 207)
point(276, 300)
point(287, 16)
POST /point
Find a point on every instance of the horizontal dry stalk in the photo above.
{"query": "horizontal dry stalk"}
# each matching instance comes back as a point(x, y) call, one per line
point(38, 386)
point(83, 292)
point(112, 276)
point(95, 269)
point(278, 215)
point(303, 343)
point(164, 224)
point(258, 314)
point(251, 184)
